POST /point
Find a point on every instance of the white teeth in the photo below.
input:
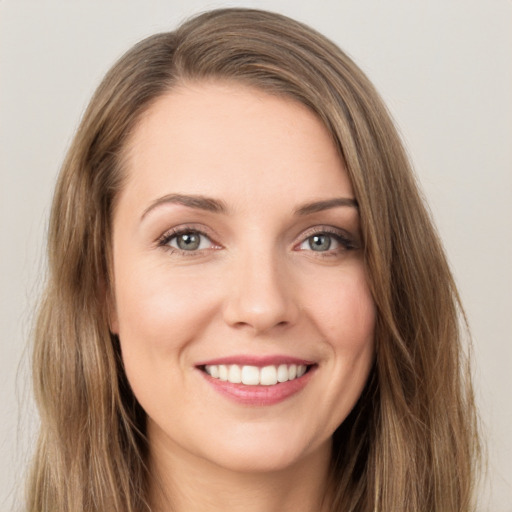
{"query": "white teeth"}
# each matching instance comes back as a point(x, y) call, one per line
point(269, 375)
point(234, 374)
point(253, 375)
point(223, 372)
point(250, 375)
point(282, 373)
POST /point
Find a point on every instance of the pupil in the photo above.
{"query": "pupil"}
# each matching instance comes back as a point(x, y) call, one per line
point(320, 242)
point(188, 241)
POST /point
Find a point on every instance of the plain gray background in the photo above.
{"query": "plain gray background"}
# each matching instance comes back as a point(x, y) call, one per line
point(444, 69)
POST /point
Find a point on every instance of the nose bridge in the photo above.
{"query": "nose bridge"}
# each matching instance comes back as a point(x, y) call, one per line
point(260, 294)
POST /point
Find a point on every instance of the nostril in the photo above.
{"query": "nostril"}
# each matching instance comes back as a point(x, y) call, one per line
point(260, 301)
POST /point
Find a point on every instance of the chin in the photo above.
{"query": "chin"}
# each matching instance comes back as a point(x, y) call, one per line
point(266, 453)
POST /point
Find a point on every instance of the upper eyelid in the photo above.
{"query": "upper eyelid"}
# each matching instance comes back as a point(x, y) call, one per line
point(345, 237)
point(304, 234)
point(184, 228)
point(327, 229)
point(163, 242)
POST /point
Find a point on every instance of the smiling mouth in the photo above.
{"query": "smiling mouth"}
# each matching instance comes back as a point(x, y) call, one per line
point(256, 376)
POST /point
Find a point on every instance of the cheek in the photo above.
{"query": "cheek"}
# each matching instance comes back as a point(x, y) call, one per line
point(346, 319)
point(158, 315)
point(156, 307)
point(345, 312)
point(158, 318)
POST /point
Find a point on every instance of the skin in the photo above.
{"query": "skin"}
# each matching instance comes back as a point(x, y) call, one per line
point(255, 286)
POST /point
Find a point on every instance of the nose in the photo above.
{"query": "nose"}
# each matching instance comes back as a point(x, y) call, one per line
point(261, 294)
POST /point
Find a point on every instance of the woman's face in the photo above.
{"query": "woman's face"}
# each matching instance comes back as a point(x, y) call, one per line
point(241, 301)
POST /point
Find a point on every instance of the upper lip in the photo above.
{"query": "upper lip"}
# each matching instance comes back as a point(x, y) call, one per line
point(254, 360)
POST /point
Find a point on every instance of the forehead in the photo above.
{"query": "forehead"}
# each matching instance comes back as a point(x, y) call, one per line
point(231, 138)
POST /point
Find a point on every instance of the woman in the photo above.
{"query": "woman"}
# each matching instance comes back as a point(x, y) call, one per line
point(248, 307)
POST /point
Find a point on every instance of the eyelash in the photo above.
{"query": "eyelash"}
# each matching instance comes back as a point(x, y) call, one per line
point(166, 238)
point(345, 240)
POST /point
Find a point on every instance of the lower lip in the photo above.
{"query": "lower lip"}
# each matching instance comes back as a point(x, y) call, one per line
point(259, 395)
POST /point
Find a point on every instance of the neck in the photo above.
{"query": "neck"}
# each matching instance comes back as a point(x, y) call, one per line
point(182, 482)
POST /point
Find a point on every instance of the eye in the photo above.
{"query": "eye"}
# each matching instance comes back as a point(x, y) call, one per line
point(326, 242)
point(187, 240)
point(320, 242)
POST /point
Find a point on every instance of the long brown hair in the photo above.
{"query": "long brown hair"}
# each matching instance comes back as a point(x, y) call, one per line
point(411, 441)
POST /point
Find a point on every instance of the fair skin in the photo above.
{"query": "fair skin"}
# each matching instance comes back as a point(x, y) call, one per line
point(237, 255)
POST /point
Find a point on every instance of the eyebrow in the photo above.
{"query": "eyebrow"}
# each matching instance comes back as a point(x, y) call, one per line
point(216, 206)
point(319, 206)
point(192, 201)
